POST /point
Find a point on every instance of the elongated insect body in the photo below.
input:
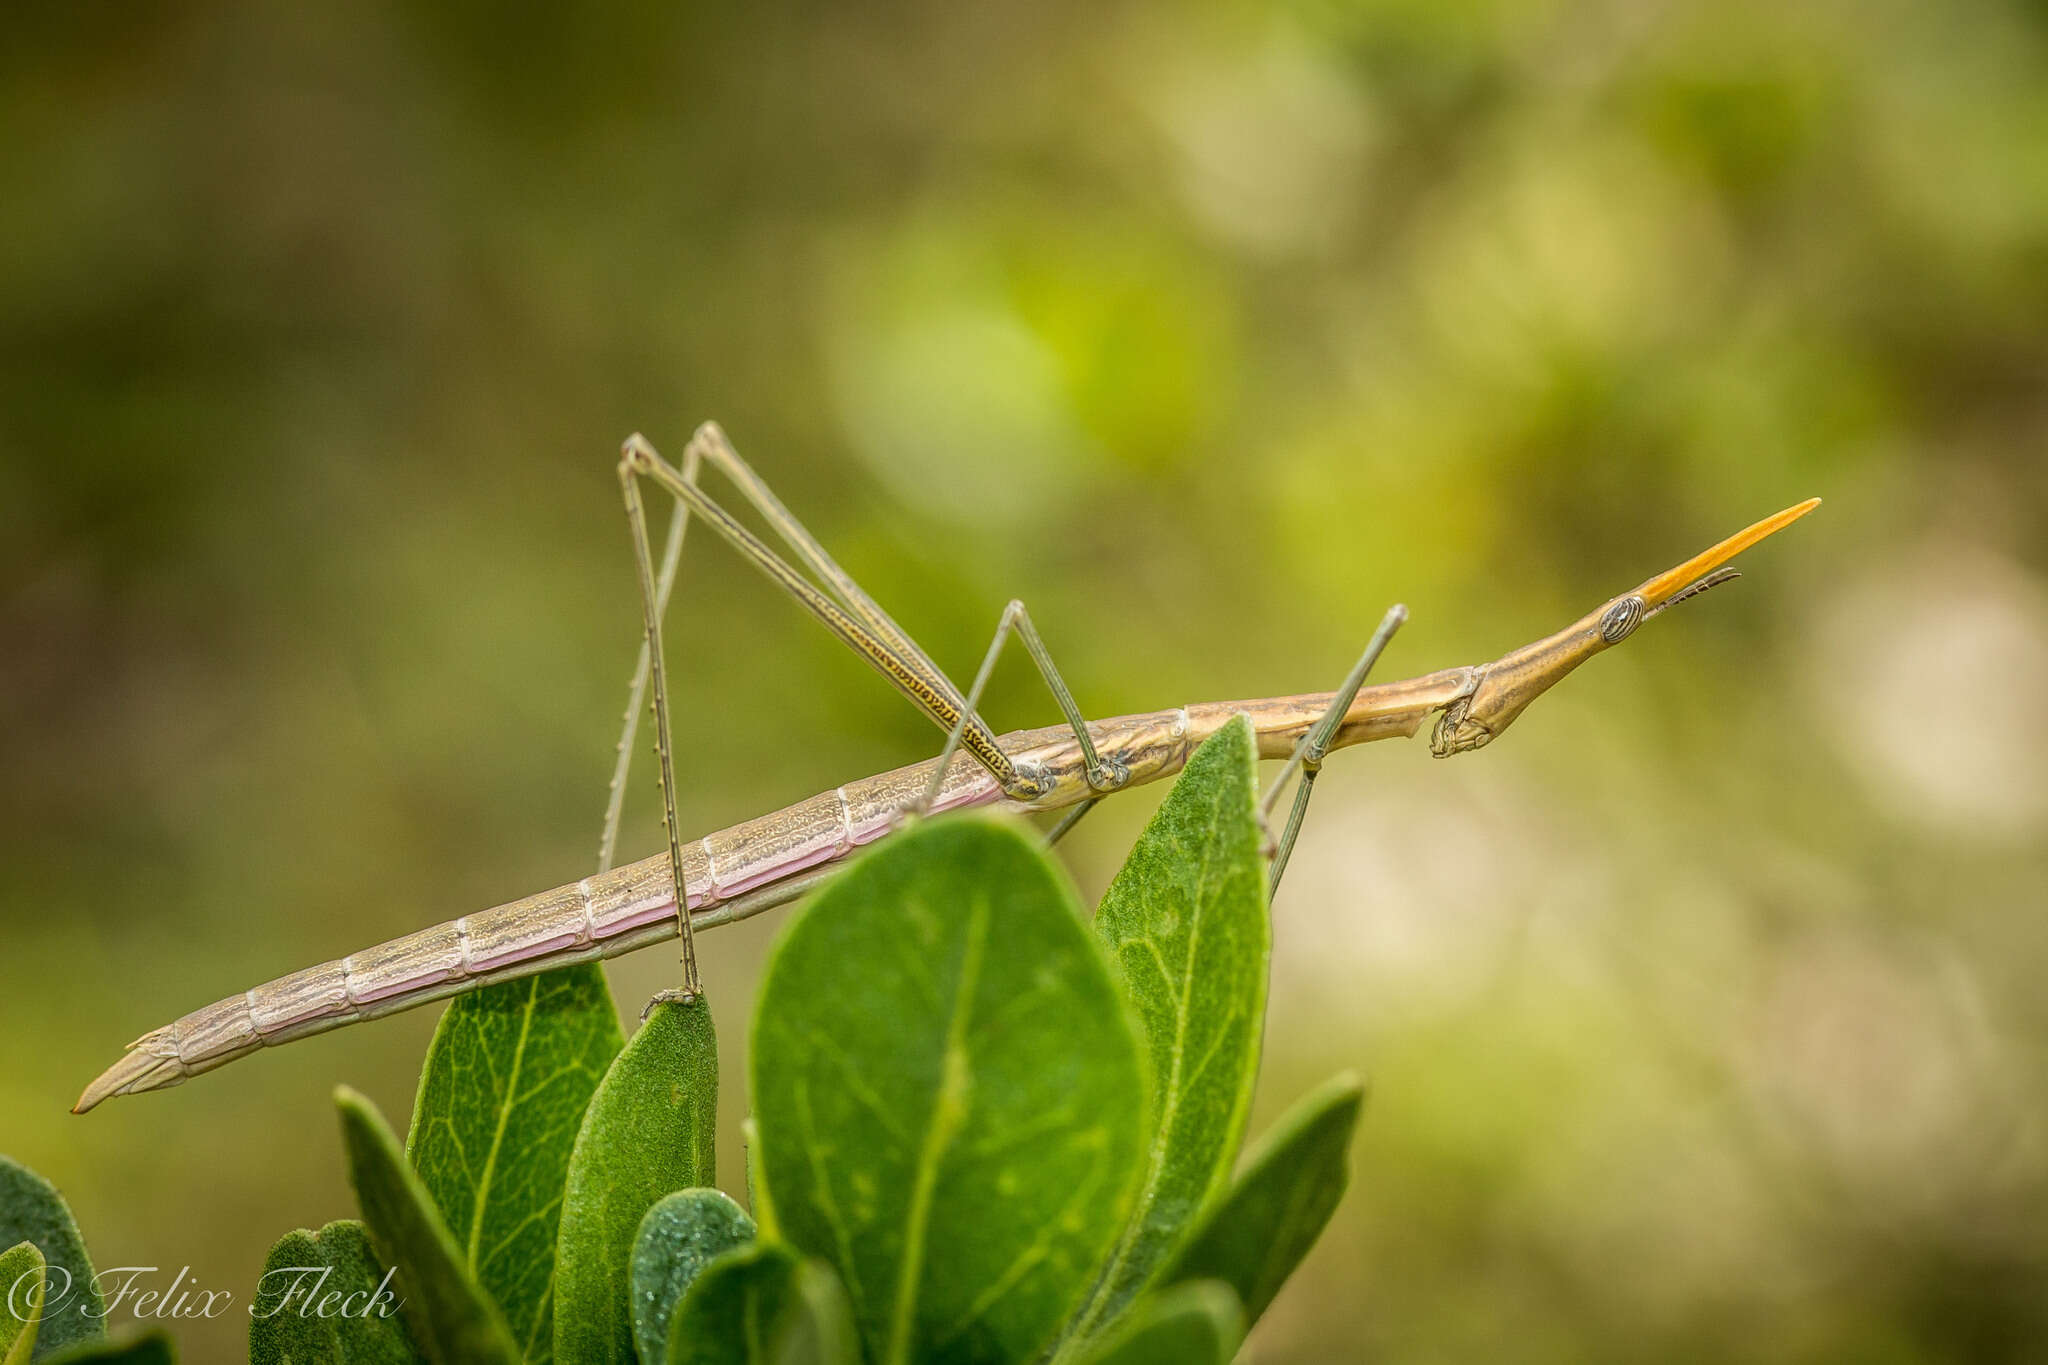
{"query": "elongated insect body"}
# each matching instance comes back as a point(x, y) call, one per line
point(761, 863)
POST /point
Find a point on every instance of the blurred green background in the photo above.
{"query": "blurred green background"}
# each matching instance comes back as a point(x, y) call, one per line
point(1704, 1012)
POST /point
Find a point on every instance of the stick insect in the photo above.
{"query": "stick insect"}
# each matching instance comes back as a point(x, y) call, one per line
point(741, 871)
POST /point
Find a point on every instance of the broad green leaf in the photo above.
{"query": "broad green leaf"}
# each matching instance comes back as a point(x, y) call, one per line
point(154, 1349)
point(648, 1132)
point(324, 1296)
point(21, 1302)
point(1254, 1237)
point(1198, 1323)
point(764, 1305)
point(31, 1210)
point(949, 1093)
point(678, 1237)
point(1188, 933)
point(453, 1320)
point(510, 1071)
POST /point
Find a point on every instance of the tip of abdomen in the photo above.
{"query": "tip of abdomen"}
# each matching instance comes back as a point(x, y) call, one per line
point(151, 1064)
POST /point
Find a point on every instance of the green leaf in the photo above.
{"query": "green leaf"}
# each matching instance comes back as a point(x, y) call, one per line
point(154, 1349)
point(31, 1210)
point(1189, 934)
point(648, 1132)
point(510, 1071)
point(1198, 1323)
point(677, 1238)
point(324, 1296)
point(1257, 1234)
point(949, 1093)
point(21, 1301)
point(764, 1305)
point(452, 1319)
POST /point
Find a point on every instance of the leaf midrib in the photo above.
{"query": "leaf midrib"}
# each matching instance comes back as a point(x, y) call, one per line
point(947, 1116)
point(505, 1106)
point(1090, 1318)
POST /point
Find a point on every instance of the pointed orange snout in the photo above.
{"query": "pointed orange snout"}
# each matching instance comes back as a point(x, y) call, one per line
point(1671, 582)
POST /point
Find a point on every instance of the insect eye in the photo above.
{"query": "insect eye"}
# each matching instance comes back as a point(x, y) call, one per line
point(1621, 618)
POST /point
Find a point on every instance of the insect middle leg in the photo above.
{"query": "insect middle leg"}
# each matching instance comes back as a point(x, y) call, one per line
point(1104, 775)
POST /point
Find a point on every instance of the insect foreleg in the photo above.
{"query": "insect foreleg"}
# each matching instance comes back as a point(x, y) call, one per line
point(1308, 755)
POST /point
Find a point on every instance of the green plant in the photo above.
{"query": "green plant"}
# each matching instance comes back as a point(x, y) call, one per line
point(984, 1131)
point(50, 1305)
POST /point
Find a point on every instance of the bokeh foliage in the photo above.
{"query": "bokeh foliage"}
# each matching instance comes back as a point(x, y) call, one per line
point(1702, 1013)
